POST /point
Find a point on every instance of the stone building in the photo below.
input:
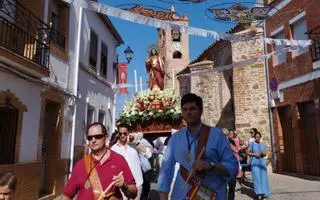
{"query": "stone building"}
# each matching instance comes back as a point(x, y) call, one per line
point(294, 82)
point(234, 98)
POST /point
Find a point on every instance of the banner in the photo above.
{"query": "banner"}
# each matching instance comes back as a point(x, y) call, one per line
point(122, 77)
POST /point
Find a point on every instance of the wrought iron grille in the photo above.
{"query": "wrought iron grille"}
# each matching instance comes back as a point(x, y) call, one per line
point(314, 35)
point(23, 33)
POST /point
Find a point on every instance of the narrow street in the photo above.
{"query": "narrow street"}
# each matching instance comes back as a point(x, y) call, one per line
point(284, 187)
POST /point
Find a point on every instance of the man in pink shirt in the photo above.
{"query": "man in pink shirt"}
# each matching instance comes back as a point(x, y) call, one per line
point(101, 174)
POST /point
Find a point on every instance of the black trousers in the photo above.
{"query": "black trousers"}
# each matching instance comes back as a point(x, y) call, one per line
point(147, 178)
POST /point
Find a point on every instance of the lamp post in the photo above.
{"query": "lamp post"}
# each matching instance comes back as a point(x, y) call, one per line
point(128, 53)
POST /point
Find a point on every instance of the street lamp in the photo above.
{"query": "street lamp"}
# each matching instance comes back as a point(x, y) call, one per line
point(128, 53)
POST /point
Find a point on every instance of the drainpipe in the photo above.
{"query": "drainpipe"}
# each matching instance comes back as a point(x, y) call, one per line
point(114, 103)
point(46, 11)
point(266, 64)
point(75, 87)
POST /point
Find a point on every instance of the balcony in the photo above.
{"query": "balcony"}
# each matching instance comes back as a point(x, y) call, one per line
point(314, 35)
point(22, 33)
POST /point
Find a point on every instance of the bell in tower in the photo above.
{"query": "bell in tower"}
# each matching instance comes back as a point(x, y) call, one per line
point(173, 47)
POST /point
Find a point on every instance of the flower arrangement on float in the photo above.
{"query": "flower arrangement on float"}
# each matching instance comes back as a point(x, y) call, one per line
point(153, 110)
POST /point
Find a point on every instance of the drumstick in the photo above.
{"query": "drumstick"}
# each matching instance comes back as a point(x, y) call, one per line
point(108, 188)
point(192, 170)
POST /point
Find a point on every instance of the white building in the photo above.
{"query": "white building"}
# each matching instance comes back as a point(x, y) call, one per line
point(54, 80)
point(96, 72)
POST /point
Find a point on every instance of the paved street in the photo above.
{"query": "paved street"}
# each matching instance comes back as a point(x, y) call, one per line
point(284, 188)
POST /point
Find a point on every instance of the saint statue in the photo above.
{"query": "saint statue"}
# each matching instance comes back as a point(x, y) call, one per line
point(154, 66)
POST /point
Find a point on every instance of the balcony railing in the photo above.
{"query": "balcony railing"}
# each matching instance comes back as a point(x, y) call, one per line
point(314, 35)
point(17, 40)
point(23, 33)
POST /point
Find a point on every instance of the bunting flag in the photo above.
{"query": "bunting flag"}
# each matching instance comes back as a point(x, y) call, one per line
point(157, 23)
point(122, 77)
point(243, 63)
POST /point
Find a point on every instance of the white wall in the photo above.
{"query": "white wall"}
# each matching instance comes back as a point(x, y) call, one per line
point(96, 94)
point(92, 21)
point(59, 72)
point(91, 90)
point(66, 130)
point(29, 94)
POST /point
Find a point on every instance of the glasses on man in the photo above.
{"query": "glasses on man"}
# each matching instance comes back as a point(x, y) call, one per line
point(124, 133)
point(97, 137)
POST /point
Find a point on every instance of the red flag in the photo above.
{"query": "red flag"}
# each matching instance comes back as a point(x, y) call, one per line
point(122, 77)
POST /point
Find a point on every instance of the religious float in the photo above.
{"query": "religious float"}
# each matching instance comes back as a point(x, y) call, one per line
point(153, 111)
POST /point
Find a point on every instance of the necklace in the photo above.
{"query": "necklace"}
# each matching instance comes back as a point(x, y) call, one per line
point(188, 156)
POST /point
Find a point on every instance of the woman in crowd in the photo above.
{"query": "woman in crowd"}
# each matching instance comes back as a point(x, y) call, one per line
point(235, 146)
point(8, 184)
point(257, 152)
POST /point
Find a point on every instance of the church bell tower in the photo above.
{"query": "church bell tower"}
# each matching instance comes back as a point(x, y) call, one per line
point(173, 49)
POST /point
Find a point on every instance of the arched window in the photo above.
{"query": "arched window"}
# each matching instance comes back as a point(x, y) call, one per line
point(176, 35)
point(177, 54)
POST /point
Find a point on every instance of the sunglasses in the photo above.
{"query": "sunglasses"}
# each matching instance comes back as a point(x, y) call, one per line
point(125, 133)
point(97, 137)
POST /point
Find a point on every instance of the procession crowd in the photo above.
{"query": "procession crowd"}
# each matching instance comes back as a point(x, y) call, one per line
point(195, 162)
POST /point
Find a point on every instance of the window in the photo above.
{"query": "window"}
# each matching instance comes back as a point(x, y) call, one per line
point(1, 4)
point(176, 35)
point(177, 54)
point(280, 57)
point(8, 133)
point(104, 60)
point(298, 30)
point(90, 115)
point(55, 27)
point(101, 117)
point(93, 49)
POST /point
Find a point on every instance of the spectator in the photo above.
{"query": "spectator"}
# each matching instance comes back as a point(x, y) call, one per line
point(123, 148)
point(257, 152)
point(8, 185)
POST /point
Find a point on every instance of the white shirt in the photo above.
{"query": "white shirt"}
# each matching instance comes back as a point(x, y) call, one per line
point(133, 160)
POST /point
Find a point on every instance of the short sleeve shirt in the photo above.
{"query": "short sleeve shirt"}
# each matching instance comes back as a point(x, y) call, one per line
point(112, 167)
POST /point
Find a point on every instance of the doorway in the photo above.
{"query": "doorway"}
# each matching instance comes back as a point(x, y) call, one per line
point(309, 138)
point(50, 146)
point(288, 138)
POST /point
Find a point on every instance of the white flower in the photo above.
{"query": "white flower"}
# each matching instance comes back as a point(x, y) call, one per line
point(160, 111)
point(128, 115)
point(171, 110)
point(150, 113)
point(140, 113)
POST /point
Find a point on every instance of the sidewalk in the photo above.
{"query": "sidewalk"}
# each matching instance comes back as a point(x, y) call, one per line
point(283, 187)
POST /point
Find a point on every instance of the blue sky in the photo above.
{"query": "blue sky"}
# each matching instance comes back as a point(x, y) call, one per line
point(139, 37)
